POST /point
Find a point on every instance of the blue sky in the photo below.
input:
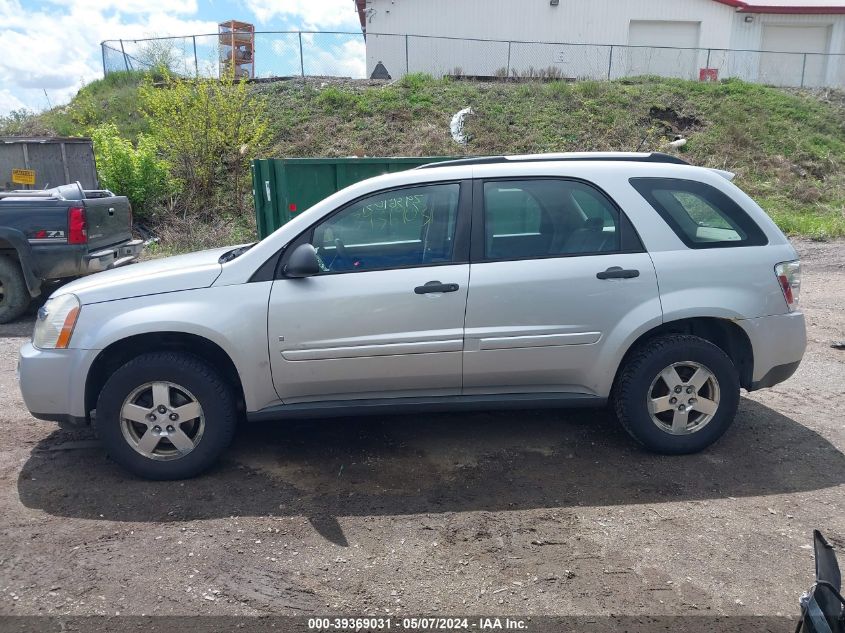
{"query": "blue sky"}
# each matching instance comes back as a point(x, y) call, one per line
point(53, 46)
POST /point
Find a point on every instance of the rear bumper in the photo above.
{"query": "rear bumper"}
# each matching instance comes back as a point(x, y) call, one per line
point(52, 382)
point(778, 343)
point(114, 256)
point(775, 375)
point(60, 261)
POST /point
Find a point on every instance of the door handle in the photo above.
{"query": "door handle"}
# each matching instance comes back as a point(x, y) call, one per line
point(435, 286)
point(111, 210)
point(617, 272)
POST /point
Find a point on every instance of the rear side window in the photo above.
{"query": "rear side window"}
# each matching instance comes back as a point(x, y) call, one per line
point(549, 217)
point(701, 215)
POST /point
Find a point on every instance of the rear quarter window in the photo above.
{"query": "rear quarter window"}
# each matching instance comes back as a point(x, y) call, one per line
point(699, 214)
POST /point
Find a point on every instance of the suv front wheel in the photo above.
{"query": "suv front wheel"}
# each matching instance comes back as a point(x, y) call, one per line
point(166, 415)
point(677, 394)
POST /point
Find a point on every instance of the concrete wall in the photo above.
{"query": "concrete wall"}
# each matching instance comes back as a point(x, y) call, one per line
point(829, 71)
point(596, 23)
point(572, 21)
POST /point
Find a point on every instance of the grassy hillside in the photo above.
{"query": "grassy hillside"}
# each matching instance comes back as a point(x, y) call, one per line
point(113, 99)
point(787, 147)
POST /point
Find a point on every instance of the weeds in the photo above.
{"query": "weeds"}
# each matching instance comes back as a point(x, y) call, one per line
point(206, 131)
point(177, 234)
point(787, 147)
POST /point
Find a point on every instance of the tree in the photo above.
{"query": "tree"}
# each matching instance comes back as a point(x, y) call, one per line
point(206, 130)
point(159, 56)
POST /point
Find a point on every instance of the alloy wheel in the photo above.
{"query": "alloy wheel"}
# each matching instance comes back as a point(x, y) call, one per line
point(683, 398)
point(162, 420)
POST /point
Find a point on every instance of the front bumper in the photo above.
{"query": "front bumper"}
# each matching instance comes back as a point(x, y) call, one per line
point(52, 382)
point(778, 343)
point(115, 256)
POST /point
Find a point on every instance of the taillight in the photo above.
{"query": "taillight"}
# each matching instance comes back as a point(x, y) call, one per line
point(77, 230)
point(789, 277)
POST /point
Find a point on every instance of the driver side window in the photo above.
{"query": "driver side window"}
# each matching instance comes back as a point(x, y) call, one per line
point(414, 226)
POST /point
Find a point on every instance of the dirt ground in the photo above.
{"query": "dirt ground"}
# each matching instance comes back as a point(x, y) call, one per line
point(551, 513)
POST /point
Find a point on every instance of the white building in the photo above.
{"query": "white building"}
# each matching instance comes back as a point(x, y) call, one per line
point(804, 40)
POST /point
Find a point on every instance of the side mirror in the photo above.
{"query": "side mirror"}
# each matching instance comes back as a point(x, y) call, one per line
point(302, 262)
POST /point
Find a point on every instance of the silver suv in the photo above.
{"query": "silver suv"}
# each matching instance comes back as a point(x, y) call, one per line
point(531, 281)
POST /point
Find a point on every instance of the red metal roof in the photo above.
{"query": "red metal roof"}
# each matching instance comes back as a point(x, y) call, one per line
point(775, 6)
point(362, 4)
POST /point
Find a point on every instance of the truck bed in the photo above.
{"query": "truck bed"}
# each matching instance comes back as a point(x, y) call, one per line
point(36, 229)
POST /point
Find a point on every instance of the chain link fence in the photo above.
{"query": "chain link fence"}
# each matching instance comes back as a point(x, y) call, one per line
point(382, 55)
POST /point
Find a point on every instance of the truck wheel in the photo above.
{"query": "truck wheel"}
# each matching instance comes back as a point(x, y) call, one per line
point(166, 415)
point(14, 296)
point(677, 394)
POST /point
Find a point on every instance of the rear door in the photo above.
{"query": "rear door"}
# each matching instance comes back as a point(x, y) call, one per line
point(108, 221)
point(556, 271)
point(385, 317)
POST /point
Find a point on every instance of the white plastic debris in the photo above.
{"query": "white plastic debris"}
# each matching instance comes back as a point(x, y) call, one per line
point(457, 126)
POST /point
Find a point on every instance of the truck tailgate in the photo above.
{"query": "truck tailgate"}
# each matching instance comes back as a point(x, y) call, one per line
point(108, 221)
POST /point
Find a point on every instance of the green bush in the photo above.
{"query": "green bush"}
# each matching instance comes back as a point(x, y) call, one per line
point(207, 130)
point(333, 99)
point(132, 171)
point(417, 81)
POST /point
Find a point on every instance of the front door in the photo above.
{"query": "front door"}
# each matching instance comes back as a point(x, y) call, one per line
point(557, 274)
point(385, 317)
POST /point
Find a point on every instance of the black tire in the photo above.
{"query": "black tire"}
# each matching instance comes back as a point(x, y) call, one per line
point(14, 295)
point(642, 368)
point(211, 391)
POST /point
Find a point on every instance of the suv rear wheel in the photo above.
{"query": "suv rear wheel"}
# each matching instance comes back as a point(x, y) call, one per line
point(677, 394)
point(166, 415)
point(14, 296)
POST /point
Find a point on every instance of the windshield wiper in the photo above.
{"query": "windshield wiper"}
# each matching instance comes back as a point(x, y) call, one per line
point(234, 253)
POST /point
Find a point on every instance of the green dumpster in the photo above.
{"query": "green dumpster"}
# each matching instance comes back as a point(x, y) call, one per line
point(284, 187)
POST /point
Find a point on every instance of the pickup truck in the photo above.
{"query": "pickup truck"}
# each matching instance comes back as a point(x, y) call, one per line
point(59, 233)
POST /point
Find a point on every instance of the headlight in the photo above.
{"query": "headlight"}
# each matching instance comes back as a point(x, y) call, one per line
point(55, 322)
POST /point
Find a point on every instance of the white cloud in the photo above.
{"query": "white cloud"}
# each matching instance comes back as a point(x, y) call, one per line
point(59, 50)
point(325, 54)
point(311, 14)
point(128, 6)
point(55, 44)
point(349, 61)
point(9, 102)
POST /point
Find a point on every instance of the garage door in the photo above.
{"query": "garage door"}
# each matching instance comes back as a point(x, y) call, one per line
point(670, 61)
point(786, 66)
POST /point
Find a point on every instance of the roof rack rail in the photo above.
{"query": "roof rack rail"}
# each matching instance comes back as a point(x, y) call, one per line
point(651, 157)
